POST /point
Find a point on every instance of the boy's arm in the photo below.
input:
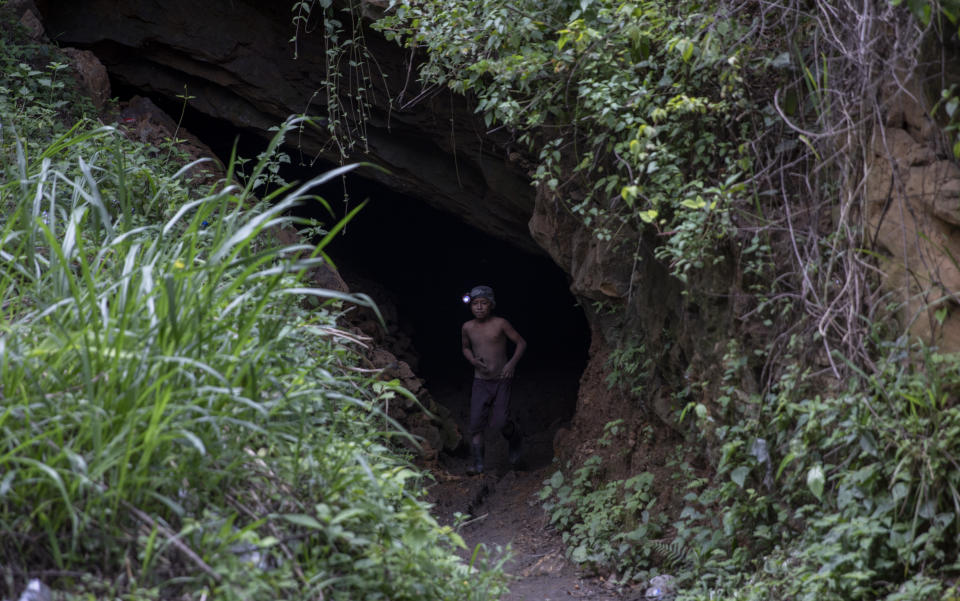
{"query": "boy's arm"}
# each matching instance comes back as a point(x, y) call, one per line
point(521, 346)
point(467, 349)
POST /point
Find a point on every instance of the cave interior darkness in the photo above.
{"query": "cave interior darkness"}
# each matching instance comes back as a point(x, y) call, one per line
point(421, 261)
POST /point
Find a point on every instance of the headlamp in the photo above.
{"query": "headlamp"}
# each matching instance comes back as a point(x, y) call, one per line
point(466, 299)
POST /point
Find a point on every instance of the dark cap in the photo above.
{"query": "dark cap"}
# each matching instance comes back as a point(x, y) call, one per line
point(482, 292)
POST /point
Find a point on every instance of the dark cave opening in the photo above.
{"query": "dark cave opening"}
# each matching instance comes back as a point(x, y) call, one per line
point(427, 260)
point(421, 260)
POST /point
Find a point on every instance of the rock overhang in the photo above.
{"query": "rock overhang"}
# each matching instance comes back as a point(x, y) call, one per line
point(234, 60)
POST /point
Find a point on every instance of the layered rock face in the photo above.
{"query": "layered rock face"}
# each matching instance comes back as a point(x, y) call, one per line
point(913, 210)
point(234, 59)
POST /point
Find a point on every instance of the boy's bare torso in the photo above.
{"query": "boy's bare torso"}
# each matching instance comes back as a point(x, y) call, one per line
point(484, 342)
point(488, 341)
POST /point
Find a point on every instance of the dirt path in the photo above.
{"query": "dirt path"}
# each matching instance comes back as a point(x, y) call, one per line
point(502, 504)
point(504, 509)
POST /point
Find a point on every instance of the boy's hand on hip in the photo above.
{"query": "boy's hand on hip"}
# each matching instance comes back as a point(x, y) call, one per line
point(507, 371)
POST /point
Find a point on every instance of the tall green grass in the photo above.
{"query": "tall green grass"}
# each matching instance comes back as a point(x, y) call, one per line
point(174, 420)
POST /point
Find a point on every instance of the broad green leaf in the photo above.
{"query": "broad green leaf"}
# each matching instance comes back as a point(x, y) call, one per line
point(556, 480)
point(701, 410)
point(816, 481)
point(739, 475)
point(648, 216)
point(579, 554)
point(785, 462)
point(346, 514)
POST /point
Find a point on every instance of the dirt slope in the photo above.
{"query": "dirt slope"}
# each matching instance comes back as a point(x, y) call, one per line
point(504, 509)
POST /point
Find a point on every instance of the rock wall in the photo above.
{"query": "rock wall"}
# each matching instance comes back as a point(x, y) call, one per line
point(631, 301)
point(913, 211)
point(234, 59)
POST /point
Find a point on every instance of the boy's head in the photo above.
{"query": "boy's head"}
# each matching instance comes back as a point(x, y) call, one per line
point(481, 301)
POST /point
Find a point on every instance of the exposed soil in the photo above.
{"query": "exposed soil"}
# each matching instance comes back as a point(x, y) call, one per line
point(504, 510)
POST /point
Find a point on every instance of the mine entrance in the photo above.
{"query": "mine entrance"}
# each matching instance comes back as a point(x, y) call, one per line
point(427, 260)
point(419, 261)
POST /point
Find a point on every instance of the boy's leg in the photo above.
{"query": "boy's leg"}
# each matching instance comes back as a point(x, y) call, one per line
point(476, 448)
point(511, 431)
point(500, 408)
point(502, 421)
point(481, 398)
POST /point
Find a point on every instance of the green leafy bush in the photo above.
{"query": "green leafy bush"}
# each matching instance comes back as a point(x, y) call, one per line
point(36, 88)
point(605, 523)
point(629, 107)
point(850, 495)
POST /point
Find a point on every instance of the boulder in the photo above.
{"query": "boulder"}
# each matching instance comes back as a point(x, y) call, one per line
point(143, 120)
point(91, 74)
point(32, 24)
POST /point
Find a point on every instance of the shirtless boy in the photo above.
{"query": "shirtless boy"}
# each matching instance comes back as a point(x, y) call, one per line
point(484, 344)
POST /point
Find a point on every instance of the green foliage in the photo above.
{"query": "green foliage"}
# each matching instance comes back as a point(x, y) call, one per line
point(34, 92)
point(629, 107)
point(632, 110)
point(164, 380)
point(348, 86)
point(950, 102)
point(175, 422)
point(813, 495)
point(633, 113)
point(605, 523)
point(857, 498)
point(628, 368)
point(926, 11)
point(940, 13)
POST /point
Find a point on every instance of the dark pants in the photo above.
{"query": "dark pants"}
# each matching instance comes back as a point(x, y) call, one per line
point(490, 406)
